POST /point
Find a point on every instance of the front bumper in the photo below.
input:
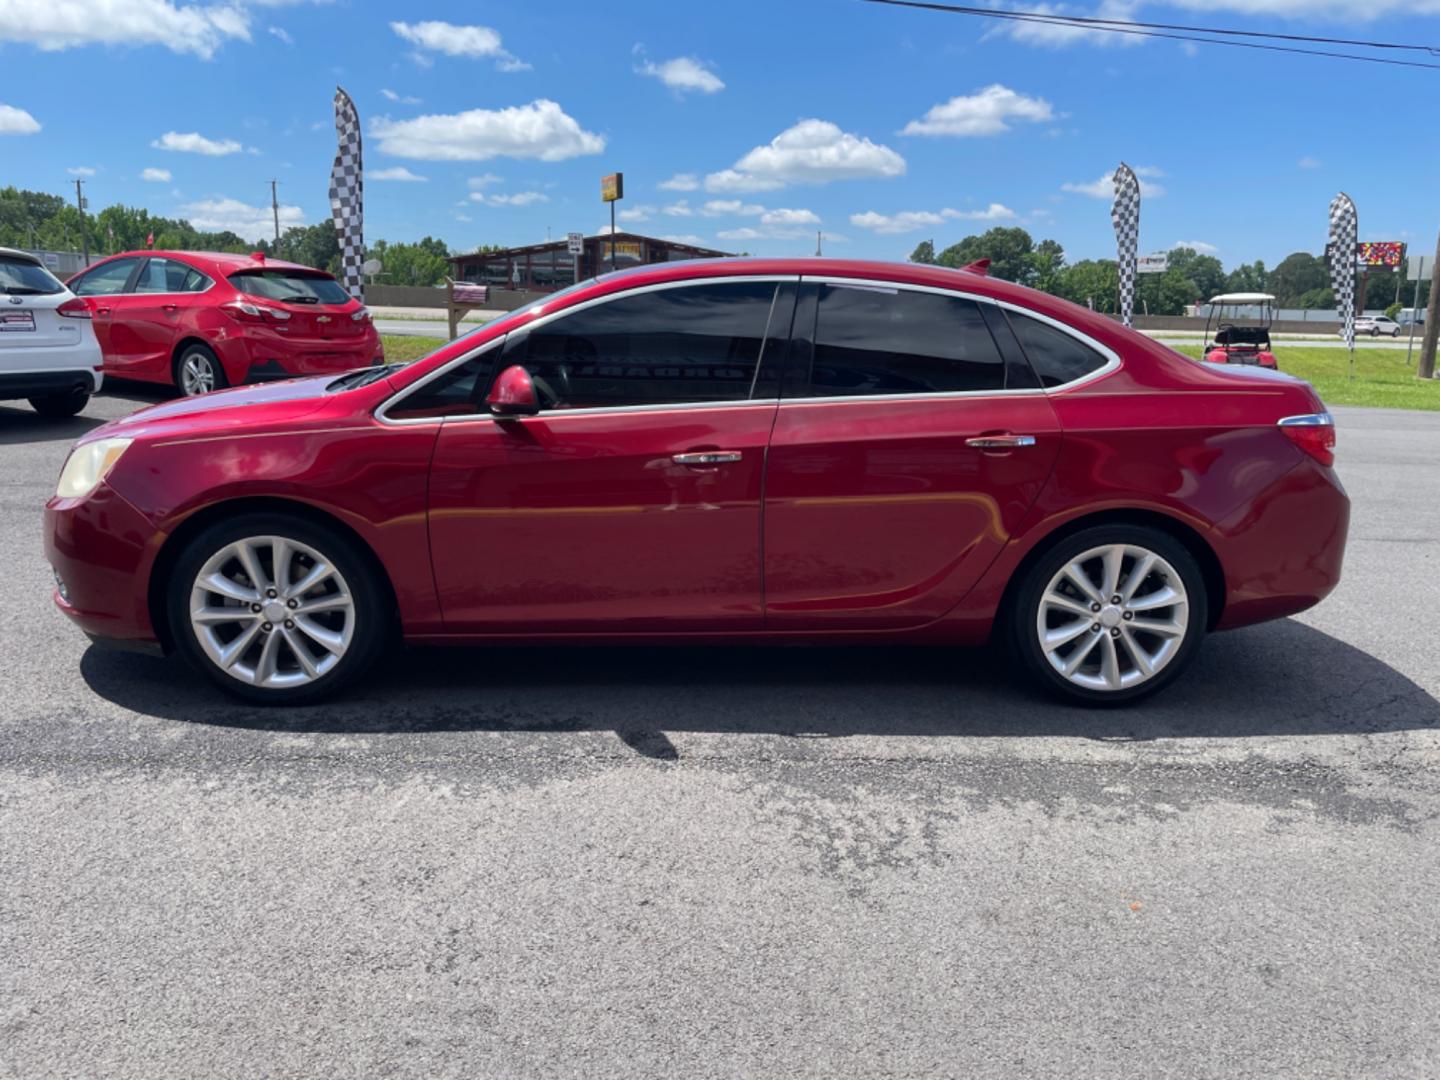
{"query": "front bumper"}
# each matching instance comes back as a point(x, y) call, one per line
point(103, 549)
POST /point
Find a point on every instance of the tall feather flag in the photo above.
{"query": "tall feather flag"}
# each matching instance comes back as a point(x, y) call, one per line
point(1344, 231)
point(347, 194)
point(1125, 214)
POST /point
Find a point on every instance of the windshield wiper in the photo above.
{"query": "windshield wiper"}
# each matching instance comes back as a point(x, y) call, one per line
point(363, 377)
point(299, 299)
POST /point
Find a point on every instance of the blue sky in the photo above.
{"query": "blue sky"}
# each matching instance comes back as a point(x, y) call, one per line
point(742, 125)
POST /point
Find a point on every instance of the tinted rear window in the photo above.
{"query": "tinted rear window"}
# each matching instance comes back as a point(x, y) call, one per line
point(290, 286)
point(1056, 357)
point(21, 278)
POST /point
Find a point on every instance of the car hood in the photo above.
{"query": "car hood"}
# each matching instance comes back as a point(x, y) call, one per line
point(224, 410)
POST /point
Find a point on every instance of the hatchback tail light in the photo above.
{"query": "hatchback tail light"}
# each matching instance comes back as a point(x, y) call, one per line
point(248, 312)
point(74, 308)
point(1314, 433)
point(363, 315)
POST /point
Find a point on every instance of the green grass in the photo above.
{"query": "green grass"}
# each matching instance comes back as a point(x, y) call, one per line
point(399, 348)
point(1382, 376)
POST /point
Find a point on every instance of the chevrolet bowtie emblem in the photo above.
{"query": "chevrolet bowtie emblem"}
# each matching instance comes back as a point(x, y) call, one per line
point(322, 318)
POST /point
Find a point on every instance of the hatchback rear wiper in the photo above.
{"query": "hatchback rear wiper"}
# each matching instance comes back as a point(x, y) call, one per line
point(24, 290)
point(299, 299)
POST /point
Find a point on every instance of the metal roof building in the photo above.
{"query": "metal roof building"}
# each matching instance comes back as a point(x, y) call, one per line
point(549, 267)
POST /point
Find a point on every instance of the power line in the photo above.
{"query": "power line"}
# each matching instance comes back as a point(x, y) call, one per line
point(1163, 30)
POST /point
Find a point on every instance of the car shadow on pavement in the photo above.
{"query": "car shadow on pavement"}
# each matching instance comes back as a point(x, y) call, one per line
point(1281, 679)
point(21, 424)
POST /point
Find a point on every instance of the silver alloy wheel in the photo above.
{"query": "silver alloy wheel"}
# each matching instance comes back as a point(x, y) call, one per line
point(272, 612)
point(197, 374)
point(1113, 617)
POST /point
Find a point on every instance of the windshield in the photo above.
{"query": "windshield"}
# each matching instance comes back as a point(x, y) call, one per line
point(20, 277)
point(290, 286)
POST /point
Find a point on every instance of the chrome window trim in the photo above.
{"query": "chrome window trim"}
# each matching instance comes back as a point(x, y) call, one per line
point(541, 320)
point(1112, 358)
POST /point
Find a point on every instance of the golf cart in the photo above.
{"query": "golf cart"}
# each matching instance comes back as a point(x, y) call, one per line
point(1240, 338)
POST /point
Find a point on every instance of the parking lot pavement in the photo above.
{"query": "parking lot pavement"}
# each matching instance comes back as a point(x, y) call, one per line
point(706, 862)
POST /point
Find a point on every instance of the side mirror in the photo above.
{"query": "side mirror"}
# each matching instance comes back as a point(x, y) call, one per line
point(513, 394)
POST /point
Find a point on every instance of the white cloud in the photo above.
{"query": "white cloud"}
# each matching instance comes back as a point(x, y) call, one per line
point(156, 176)
point(540, 129)
point(53, 25)
point(281, 33)
point(811, 152)
point(249, 222)
point(683, 73)
point(399, 172)
point(1308, 162)
point(81, 170)
point(473, 42)
point(783, 216)
point(728, 181)
point(193, 143)
point(483, 181)
point(680, 208)
point(636, 213)
point(403, 99)
point(685, 238)
point(911, 220)
point(1200, 247)
point(681, 182)
point(747, 233)
point(15, 121)
point(1104, 186)
point(1063, 35)
point(520, 198)
point(985, 112)
point(726, 207)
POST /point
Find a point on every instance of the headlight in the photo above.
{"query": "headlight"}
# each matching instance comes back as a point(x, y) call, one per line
point(88, 465)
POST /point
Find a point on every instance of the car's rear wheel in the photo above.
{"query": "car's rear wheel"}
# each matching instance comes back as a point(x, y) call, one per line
point(60, 406)
point(198, 371)
point(1110, 614)
point(276, 609)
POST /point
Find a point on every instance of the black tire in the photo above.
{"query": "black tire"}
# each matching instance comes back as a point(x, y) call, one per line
point(371, 608)
point(1374, 331)
point(204, 358)
point(1023, 636)
point(61, 406)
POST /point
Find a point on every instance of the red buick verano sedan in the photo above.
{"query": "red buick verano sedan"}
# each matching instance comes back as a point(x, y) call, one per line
point(204, 320)
point(719, 451)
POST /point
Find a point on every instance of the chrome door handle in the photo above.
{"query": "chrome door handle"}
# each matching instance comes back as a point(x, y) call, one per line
point(707, 457)
point(1000, 442)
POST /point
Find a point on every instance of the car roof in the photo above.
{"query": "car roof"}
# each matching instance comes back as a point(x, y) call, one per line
point(23, 256)
point(1242, 298)
point(225, 262)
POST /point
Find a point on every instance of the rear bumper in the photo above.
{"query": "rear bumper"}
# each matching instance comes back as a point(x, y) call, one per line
point(27, 384)
point(261, 354)
point(102, 550)
point(1283, 551)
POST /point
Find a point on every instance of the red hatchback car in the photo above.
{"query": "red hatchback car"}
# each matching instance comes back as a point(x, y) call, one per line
point(204, 320)
point(719, 451)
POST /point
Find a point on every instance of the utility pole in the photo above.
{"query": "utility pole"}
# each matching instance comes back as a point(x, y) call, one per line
point(275, 209)
point(1432, 324)
point(85, 240)
point(818, 252)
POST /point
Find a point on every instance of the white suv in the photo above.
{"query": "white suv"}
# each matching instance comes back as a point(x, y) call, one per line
point(48, 351)
point(1375, 325)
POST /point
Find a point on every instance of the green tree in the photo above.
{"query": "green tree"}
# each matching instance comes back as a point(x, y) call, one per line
point(924, 252)
point(1296, 275)
point(1092, 283)
point(1047, 263)
point(1008, 249)
point(1205, 271)
point(424, 263)
point(1248, 277)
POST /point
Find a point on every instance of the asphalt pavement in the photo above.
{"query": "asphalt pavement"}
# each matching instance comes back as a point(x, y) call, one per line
point(733, 862)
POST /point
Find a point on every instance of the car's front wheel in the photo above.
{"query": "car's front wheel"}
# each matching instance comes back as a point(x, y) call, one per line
point(1110, 614)
point(198, 371)
point(277, 610)
point(60, 406)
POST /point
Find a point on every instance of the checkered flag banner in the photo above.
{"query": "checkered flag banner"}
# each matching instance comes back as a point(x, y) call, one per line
point(347, 194)
point(1125, 213)
point(1344, 231)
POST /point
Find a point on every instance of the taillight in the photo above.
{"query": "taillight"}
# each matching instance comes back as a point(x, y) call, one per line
point(363, 315)
point(248, 312)
point(74, 308)
point(1314, 433)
